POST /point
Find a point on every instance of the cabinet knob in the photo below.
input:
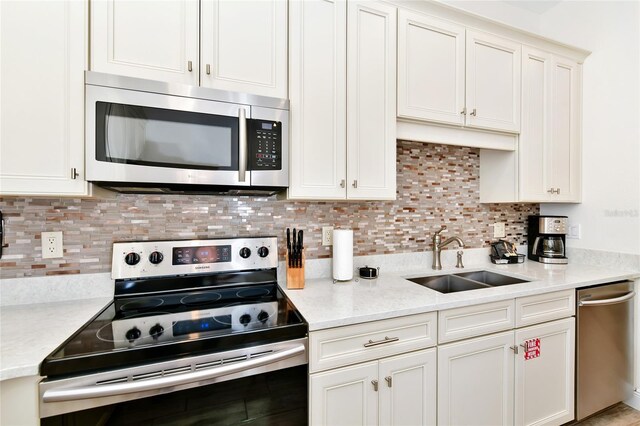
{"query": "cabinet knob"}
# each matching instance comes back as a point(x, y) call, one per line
point(514, 349)
point(355, 183)
point(375, 385)
point(74, 173)
point(208, 69)
point(464, 111)
point(342, 183)
point(388, 380)
point(473, 112)
point(189, 66)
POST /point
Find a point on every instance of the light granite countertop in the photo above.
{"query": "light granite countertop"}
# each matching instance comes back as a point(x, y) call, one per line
point(325, 304)
point(28, 333)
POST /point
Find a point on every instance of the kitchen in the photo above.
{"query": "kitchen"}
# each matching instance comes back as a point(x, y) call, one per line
point(460, 175)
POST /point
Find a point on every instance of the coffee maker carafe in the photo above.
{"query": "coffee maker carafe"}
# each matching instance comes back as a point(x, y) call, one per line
point(546, 239)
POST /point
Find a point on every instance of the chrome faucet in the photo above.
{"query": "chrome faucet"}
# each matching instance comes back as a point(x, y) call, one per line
point(438, 244)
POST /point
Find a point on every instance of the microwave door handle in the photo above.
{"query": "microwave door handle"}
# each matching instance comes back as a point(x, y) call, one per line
point(242, 148)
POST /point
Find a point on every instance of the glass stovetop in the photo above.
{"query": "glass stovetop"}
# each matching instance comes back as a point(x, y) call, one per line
point(158, 327)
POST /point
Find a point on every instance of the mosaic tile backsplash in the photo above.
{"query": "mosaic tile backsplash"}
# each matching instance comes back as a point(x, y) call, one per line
point(437, 184)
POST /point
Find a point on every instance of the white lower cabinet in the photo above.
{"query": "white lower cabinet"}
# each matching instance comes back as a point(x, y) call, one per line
point(475, 381)
point(489, 380)
point(545, 385)
point(399, 390)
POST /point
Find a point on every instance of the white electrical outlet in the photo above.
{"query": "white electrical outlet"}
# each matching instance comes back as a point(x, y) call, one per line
point(51, 244)
point(327, 235)
point(499, 230)
point(575, 232)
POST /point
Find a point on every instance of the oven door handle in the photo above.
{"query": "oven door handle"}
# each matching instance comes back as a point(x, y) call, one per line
point(100, 391)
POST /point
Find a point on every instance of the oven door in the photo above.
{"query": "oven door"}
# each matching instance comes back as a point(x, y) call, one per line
point(221, 386)
point(141, 137)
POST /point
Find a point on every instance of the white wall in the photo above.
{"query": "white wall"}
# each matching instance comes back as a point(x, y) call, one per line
point(610, 212)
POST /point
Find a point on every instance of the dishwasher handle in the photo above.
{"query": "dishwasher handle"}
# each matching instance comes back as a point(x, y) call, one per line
point(613, 301)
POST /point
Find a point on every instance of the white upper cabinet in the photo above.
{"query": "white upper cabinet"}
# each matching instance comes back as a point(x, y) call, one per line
point(43, 58)
point(493, 82)
point(244, 46)
point(431, 69)
point(549, 148)
point(222, 44)
point(342, 94)
point(318, 96)
point(371, 101)
point(450, 74)
point(157, 40)
point(564, 161)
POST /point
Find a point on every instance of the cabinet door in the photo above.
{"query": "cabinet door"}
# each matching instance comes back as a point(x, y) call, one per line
point(475, 381)
point(493, 82)
point(371, 101)
point(564, 150)
point(244, 46)
point(157, 40)
point(345, 396)
point(535, 136)
point(545, 385)
point(43, 48)
point(408, 389)
point(430, 69)
point(317, 87)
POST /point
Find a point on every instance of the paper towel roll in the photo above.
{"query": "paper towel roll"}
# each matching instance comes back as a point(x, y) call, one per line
point(342, 254)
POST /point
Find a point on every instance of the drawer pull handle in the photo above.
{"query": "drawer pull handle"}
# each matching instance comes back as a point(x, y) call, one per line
point(381, 342)
point(388, 379)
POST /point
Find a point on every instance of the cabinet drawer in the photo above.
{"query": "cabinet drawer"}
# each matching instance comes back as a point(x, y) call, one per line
point(545, 307)
point(351, 344)
point(470, 321)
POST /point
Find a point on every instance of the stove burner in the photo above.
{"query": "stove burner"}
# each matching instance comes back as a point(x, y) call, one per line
point(141, 304)
point(200, 299)
point(252, 292)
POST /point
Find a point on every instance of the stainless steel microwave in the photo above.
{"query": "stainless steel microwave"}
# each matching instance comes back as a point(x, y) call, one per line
point(146, 136)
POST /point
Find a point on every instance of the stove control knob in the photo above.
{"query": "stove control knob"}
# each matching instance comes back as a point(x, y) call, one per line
point(245, 252)
point(245, 319)
point(156, 331)
point(263, 251)
point(156, 257)
point(263, 317)
point(132, 258)
point(133, 334)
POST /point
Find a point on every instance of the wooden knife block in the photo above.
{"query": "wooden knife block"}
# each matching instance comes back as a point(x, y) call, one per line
point(295, 276)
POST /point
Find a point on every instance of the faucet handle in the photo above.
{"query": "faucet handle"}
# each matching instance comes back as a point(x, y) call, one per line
point(442, 228)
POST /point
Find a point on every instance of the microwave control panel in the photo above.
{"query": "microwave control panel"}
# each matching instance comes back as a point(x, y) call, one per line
point(265, 145)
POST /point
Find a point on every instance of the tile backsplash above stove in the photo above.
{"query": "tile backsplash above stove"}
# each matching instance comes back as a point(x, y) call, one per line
point(437, 184)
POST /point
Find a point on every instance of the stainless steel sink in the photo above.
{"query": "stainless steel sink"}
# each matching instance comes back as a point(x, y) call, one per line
point(448, 283)
point(491, 278)
point(465, 281)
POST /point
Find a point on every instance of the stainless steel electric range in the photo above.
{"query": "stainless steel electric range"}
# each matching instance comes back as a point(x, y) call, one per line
point(189, 318)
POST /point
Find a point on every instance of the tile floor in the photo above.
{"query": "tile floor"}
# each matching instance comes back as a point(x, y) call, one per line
point(618, 415)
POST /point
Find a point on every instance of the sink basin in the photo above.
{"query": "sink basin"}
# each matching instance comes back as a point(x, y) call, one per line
point(491, 278)
point(448, 283)
point(465, 281)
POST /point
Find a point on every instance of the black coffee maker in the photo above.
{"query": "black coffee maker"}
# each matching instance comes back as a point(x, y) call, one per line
point(546, 239)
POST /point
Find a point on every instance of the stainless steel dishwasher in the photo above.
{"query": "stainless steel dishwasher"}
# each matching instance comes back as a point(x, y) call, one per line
point(604, 364)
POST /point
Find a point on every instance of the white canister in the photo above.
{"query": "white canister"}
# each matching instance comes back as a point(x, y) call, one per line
point(343, 254)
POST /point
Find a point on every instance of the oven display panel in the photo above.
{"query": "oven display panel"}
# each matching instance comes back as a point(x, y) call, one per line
point(200, 255)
